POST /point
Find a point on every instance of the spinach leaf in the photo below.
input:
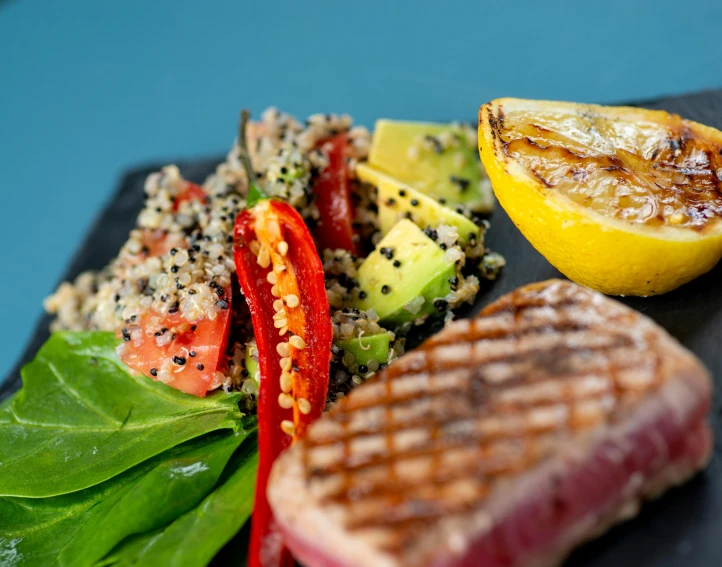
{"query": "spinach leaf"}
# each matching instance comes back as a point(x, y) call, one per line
point(82, 527)
point(82, 418)
point(195, 538)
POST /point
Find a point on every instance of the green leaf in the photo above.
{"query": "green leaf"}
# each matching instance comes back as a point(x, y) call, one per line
point(82, 418)
point(82, 527)
point(195, 538)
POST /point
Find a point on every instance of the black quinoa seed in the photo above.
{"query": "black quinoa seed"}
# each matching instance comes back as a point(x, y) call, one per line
point(174, 269)
point(173, 251)
point(397, 264)
point(442, 246)
point(414, 202)
point(179, 360)
point(222, 303)
point(385, 289)
point(126, 334)
point(363, 369)
point(391, 202)
point(438, 148)
point(441, 305)
point(153, 372)
point(200, 366)
point(173, 309)
point(461, 182)
point(402, 193)
point(192, 354)
point(193, 328)
point(362, 294)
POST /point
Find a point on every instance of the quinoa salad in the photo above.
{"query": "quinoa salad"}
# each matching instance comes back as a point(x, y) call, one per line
point(179, 258)
point(237, 312)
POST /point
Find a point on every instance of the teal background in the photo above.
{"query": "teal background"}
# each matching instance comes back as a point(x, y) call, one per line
point(90, 87)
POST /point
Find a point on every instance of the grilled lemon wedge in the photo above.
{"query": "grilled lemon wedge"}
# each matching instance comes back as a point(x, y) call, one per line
point(623, 200)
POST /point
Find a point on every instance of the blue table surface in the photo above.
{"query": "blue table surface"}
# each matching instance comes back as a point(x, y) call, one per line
point(89, 88)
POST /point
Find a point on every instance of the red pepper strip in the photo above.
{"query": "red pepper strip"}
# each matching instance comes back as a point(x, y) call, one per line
point(333, 198)
point(190, 193)
point(281, 276)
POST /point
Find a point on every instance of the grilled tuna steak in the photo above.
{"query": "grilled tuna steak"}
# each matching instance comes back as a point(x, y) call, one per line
point(505, 440)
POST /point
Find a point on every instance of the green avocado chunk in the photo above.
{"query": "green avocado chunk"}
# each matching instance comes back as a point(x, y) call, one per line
point(437, 159)
point(397, 200)
point(251, 360)
point(403, 277)
point(366, 348)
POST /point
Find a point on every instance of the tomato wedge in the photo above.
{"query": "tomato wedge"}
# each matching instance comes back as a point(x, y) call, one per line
point(192, 192)
point(282, 278)
point(183, 355)
point(333, 198)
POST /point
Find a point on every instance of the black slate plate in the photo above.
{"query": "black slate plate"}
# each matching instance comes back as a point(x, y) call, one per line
point(682, 529)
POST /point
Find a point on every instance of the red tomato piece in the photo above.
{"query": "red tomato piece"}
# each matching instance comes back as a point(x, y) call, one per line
point(192, 192)
point(191, 353)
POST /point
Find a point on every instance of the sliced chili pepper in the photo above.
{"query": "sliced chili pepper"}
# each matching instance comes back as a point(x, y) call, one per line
point(333, 198)
point(282, 278)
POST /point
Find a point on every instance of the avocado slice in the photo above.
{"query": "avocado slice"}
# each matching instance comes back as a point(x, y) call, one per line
point(251, 360)
point(366, 348)
point(437, 159)
point(404, 276)
point(397, 200)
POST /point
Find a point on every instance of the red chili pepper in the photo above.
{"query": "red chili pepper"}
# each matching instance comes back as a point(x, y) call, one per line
point(333, 198)
point(282, 278)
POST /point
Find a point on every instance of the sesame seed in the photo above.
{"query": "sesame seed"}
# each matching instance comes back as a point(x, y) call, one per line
point(179, 360)
point(285, 400)
point(297, 342)
point(199, 366)
point(292, 300)
point(304, 406)
point(286, 381)
point(282, 248)
point(288, 428)
point(283, 349)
